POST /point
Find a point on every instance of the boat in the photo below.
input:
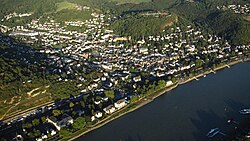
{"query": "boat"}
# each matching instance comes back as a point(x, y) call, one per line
point(204, 75)
point(245, 111)
point(213, 132)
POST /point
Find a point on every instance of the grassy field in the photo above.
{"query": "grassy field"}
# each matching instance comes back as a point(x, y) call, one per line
point(65, 5)
point(119, 2)
point(25, 99)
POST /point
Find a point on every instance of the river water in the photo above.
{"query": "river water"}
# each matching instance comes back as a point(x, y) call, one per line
point(186, 113)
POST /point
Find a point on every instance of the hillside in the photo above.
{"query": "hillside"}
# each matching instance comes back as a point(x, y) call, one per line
point(144, 23)
point(224, 23)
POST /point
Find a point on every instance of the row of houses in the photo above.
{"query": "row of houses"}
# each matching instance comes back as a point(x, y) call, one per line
point(117, 105)
point(237, 9)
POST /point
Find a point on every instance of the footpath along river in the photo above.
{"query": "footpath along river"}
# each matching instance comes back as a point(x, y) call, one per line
point(186, 113)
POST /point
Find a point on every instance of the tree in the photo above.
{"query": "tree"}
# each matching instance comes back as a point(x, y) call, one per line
point(79, 123)
point(161, 84)
point(43, 119)
point(56, 112)
point(37, 133)
point(71, 104)
point(65, 133)
point(35, 122)
point(133, 98)
point(31, 135)
point(198, 63)
point(174, 79)
point(82, 104)
point(110, 94)
point(27, 125)
point(85, 97)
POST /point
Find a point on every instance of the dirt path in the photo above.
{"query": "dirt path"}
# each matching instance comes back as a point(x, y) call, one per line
point(9, 110)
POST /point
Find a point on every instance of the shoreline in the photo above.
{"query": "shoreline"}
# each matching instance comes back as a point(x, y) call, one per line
point(141, 102)
point(147, 99)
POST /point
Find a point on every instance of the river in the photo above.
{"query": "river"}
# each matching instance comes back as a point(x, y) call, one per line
point(186, 113)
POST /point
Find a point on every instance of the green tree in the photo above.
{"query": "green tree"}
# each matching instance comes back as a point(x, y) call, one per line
point(174, 79)
point(35, 122)
point(134, 98)
point(65, 133)
point(198, 63)
point(71, 104)
point(79, 123)
point(161, 84)
point(31, 135)
point(27, 125)
point(37, 133)
point(82, 104)
point(56, 112)
point(43, 119)
point(110, 94)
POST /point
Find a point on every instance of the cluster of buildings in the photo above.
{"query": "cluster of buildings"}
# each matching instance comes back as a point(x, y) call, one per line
point(14, 14)
point(237, 9)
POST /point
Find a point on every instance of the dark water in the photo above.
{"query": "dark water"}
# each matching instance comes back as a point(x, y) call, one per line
point(186, 113)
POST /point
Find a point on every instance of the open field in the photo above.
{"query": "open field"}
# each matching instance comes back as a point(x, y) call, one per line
point(34, 97)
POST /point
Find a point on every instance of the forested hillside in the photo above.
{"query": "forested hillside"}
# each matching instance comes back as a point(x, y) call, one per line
point(226, 24)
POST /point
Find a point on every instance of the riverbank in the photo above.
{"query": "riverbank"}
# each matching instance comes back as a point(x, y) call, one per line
point(145, 100)
point(127, 109)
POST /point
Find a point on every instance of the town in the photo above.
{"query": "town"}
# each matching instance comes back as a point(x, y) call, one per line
point(109, 71)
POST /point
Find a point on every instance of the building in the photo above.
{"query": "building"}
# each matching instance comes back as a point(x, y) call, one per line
point(120, 103)
point(92, 86)
point(137, 79)
point(169, 83)
point(143, 50)
point(122, 38)
point(98, 114)
point(109, 110)
point(61, 121)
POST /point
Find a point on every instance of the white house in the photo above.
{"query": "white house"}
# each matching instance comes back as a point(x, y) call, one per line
point(109, 110)
point(98, 114)
point(92, 118)
point(169, 83)
point(137, 79)
point(120, 103)
point(61, 121)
